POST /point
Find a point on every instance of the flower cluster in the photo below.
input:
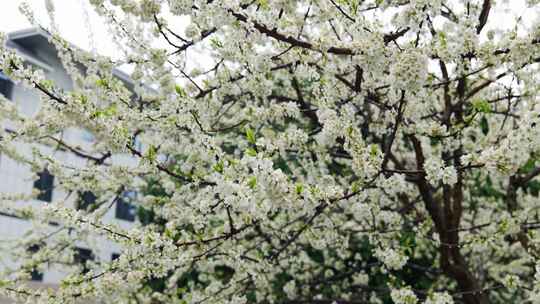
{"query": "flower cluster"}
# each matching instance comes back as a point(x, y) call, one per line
point(280, 151)
point(437, 172)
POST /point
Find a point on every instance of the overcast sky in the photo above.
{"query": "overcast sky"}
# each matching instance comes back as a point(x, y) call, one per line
point(72, 20)
point(70, 17)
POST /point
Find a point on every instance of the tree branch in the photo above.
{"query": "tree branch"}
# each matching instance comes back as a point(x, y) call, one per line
point(483, 18)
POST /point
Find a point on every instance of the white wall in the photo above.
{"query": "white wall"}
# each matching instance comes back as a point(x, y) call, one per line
point(17, 178)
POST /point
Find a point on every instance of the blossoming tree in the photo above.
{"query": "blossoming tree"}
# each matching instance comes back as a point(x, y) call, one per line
point(335, 151)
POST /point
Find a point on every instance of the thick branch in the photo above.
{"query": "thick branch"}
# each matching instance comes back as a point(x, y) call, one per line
point(482, 20)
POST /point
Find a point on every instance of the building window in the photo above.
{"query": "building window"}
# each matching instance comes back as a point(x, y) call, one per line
point(82, 257)
point(115, 256)
point(86, 201)
point(6, 86)
point(35, 275)
point(44, 184)
point(125, 209)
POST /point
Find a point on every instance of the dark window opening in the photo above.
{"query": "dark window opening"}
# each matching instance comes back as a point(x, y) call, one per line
point(82, 256)
point(125, 209)
point(35, 275)
point(6, 86)
point(44, 184)
point(86, 201)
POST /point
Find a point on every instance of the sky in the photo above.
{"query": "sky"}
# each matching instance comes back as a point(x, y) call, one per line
point(84, 28)
point(70, 17)
point(78, 24)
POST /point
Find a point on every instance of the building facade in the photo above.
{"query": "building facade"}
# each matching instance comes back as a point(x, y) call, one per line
point(34, 47)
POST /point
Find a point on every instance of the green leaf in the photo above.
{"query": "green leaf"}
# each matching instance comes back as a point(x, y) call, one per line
point(354, 6)
point(252, 182)
point(111, 110)
point(180, 91)
point(218, 167)
point(107, 112)
point(485, 188)
point(102, 82)
point(216, 43)
point(408, 242)
point(481, 105)
point(299, 189)
point(442, 38)
point(47, 84)
point(484, 125)
point(83, 99)
point(168, 233)
point(533, 187)
point(250, 134)
point(251, 152)
point(529, 166)
point(151, 153)
point(316, 255)
point(373, 150)
point(282, 164)
point(355, 187)
point(263, 4)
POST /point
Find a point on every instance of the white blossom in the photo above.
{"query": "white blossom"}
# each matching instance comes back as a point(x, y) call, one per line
point(403, 296)
point(279, 151)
